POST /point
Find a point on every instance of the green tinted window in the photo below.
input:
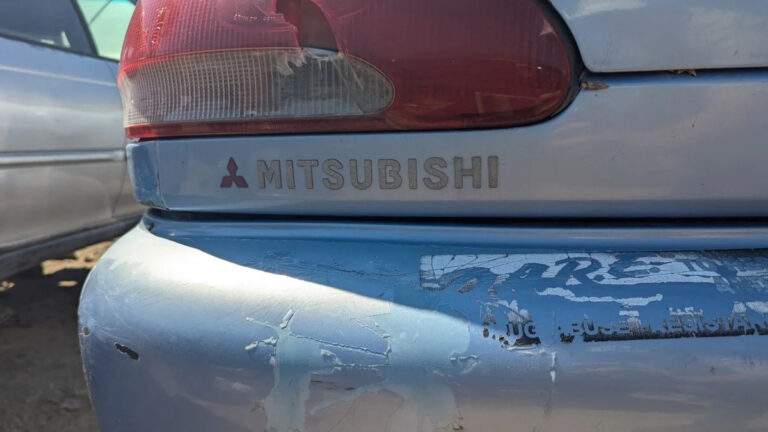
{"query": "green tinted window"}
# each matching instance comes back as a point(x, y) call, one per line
point(107, 20)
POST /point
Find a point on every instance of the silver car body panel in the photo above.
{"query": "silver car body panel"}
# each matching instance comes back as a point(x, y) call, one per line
point(52, 98)
point(248, 326)
point(62, 157)
point(42, 202)
point(660, 146)
point(660, 35)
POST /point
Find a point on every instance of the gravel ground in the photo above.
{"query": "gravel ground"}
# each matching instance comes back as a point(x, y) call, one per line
point(42, 386)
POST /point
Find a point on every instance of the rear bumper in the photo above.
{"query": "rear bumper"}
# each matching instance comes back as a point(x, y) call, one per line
point(234, 326)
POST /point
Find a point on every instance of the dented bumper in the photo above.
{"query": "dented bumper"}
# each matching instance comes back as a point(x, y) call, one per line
point(240, 326)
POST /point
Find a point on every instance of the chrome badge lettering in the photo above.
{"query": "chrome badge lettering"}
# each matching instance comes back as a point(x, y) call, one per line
point(434, 173)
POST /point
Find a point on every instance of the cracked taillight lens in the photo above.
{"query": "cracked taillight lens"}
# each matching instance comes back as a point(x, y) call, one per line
point(202, 67)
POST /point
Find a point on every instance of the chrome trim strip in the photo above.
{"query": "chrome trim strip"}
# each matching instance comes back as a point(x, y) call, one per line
point(56, 76)
point(27, 159)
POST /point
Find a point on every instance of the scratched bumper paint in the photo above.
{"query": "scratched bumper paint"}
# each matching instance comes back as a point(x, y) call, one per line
point(269, 326)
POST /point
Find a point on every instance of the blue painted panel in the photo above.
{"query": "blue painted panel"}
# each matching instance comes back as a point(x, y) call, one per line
point(238, 326)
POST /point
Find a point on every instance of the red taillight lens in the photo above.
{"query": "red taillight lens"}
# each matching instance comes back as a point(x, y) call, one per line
point(201, 67)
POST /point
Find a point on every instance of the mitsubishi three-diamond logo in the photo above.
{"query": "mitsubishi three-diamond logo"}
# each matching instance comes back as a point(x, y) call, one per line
point(228, 180)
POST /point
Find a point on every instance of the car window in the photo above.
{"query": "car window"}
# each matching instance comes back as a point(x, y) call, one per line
point(49, 22)
point(107, 21)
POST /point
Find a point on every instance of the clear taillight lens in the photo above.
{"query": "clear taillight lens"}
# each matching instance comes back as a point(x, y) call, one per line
point(201, 67)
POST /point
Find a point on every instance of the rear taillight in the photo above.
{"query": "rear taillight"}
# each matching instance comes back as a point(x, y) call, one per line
point(202, 67)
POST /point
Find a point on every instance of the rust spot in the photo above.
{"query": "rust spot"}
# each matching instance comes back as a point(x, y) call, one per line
point(594, 85)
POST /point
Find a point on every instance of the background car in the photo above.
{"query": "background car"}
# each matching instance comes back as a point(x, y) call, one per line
point(63, 177)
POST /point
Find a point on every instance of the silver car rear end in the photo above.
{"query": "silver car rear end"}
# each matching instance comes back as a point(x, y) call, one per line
point(603, 270)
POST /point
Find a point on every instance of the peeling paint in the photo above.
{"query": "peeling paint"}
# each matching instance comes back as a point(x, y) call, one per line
point(687, 311)
point(758, 306)
point(286, 319)
point(142, 169)
point(602, 269)
point(632, 301)
point(408, 334)
point(319, 348)
point(614, 288)
point(252, 346)
point(739, 308)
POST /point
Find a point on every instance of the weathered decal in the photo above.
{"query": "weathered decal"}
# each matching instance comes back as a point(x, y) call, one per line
point(673, 327)
point(598, 297)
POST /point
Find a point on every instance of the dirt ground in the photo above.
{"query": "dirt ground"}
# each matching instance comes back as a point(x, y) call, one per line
point(41, 379)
